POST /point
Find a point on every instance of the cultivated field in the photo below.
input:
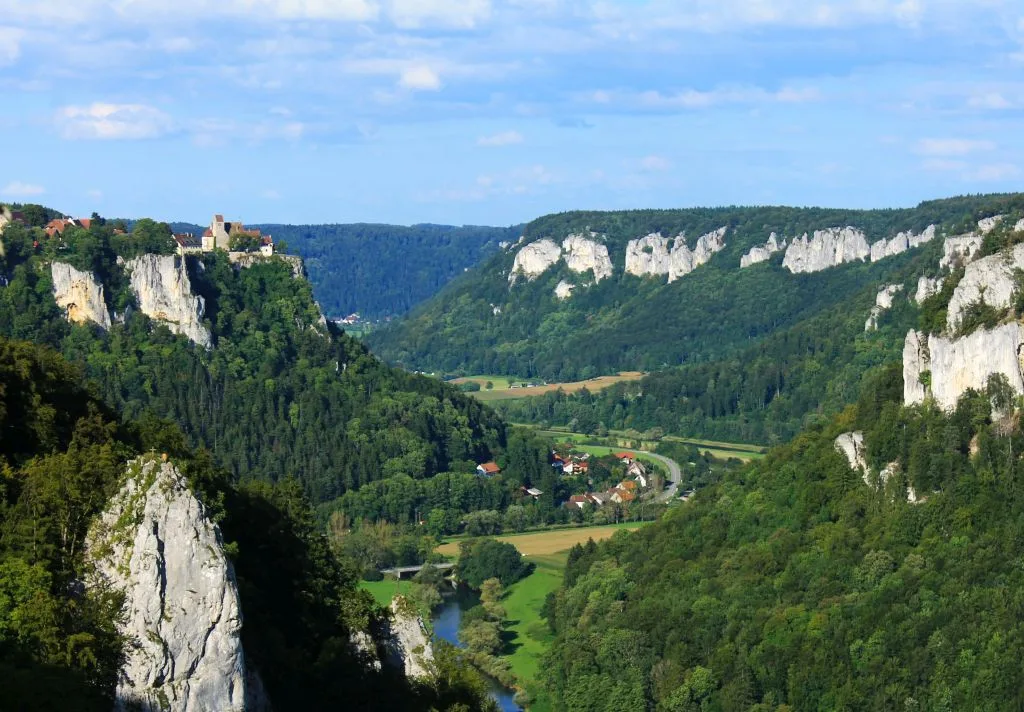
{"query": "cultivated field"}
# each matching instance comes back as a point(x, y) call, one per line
point(550, 542)
point(502, 390)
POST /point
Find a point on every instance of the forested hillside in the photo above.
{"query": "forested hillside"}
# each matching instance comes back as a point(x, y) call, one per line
point(798, 584)
point(63, 455)
point(279, 394)
point(482, 324)
point(386, 270)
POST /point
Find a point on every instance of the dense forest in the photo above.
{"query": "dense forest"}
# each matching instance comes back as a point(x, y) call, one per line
point(794, 584)
point(63, 455)
point(479, 324)
point(385, 270)
point(281, 394)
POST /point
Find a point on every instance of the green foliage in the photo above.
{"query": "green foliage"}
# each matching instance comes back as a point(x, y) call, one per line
point(792, 585)
point(386, 270)
point(482, 559)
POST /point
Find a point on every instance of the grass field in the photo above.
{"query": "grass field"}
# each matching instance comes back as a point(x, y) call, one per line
point(721, 450)
point(548, 542)
point(505, 393)
point(384, 591)
point(523, 602)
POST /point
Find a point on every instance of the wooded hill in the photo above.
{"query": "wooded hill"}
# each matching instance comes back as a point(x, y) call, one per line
point(743, 354)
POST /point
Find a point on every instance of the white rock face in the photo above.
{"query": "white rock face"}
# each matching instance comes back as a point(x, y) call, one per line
point(852, 446)
point(79, 294)
point(248, 259)
point(960, 250)
point(990, 280)
point(756, 255)
point(926, 287)
point(408, 644)
point(648, 256)
point(883, 302)
point(1019, 227)
point(683, 260)
point(564, 290)
point(987, 225)
point(535, 259)
point(181, 607)
point(828, 248)
point(901, 242)
point(161, 285)
point(583, 254)
point(959, 364)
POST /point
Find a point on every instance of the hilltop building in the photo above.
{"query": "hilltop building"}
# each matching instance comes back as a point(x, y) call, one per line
point(220, 233)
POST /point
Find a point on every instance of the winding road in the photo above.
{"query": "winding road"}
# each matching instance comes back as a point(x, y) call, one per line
point(675, 475)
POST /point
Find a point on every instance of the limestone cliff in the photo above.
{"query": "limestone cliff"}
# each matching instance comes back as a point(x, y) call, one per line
point(583, 254)
point(164, 293)
point(989, 280)
point(79, 294)
point(683, 260)
point(883, 302)
point(960, 250)
point(763, 253)
point(955, 365)
point(534, 259)
point(648, 256)
point(182, 617)
point(926, 287)
point(900, 243)
point(248, 259)
point(827, 248)
point(563, 290)
point(407, 644)
point(1019, 227)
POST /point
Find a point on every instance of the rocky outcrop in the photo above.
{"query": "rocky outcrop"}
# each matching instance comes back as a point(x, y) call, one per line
point(883, 302)
point(407, 643)
point(79, 294)
point(648, 256)
point(987, 225)
point(852, 446)
point(164, 293)
point(960, 250)
point(248, 259)
point(763, 253)
point(583, 254)
point(946, 368)
point(900, 243)
point(563, 290)
point(182, 618)
point(535, 259)
point(1019, 227)
point(651, 255)
point(989, 280)
point(827, 248)
point(926, 287)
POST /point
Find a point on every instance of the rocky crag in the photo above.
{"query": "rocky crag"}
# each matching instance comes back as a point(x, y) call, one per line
point(80, 295)
point(164, 293)
point(182, 615)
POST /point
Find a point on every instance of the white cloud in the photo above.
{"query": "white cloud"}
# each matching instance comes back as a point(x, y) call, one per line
point(466, 14)
point(113, 121)
point(696, 99)
point(993, 172)
point(78, 11)
point(952, 146)
point(419, 78)
point(10, 45)
point(17, 189)
point(990, 100)
point(655, 164)
point(506, 138)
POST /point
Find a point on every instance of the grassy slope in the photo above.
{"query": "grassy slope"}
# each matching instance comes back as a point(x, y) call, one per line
point(384, 591)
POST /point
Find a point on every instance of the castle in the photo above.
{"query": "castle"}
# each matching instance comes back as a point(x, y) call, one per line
point(219, 236)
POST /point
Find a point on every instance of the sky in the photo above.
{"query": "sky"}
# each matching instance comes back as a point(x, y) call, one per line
point(499, 111)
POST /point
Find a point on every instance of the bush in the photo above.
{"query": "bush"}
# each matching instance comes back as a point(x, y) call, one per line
point(489, 558)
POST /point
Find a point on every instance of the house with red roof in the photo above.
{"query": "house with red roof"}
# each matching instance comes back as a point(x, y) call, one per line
point(488, 469)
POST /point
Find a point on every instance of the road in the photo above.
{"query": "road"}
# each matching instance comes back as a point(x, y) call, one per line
point(675, 475)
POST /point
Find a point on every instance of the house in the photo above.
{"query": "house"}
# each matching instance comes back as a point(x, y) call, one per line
point(599, 498)
point(351, 319)
point(568, 468)
point(532, 491)
point(56, 227)
point(628, 485)
point(580, 501)
point(218, 236)
point(626, 457)
point(638, 472)
point(488, 469)
point(188, 244)
point(620, 496)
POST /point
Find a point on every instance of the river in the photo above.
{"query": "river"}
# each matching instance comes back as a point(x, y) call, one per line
point(446, 627)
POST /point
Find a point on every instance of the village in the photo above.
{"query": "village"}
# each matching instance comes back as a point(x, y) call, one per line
point(577, 465)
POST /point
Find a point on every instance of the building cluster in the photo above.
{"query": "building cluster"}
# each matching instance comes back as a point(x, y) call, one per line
point(623, 493)
point(219, 236)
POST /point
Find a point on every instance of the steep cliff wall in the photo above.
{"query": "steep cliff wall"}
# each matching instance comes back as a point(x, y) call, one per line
point(901, 242)
point(648, 256)
point(851, 445)
point(534, 259)
point(583, 254)
point(683, 260)
point(79, 294)
point(164, 293)
point(990, 280)
point(407, 644)
point(181, 612)
point(827, 248)
point(764, 252)
point(883, 303)
point(926, 287)
point(955, 365)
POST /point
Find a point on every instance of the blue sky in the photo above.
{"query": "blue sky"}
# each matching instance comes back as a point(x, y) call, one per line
point(498, 111)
